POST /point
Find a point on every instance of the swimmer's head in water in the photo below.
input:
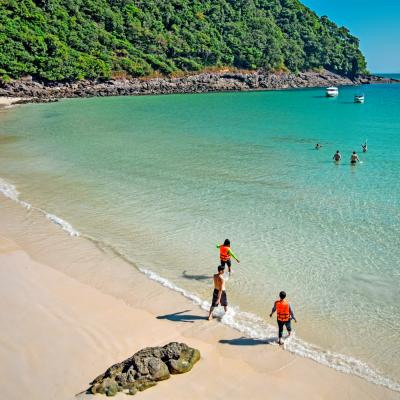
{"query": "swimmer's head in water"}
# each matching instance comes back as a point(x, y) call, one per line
point(221, 268)
point(282, 295)
point(354, 152)
point(337, 151)
point(227, 242)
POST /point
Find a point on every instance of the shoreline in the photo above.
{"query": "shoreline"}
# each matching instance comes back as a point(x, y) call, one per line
point(27, 90)
point(7, 102)
point(30, 239)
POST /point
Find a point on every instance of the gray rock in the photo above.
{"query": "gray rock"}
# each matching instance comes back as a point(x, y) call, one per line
point(200, 83)
point(157, 369)
point(108, 387)
point(132, 391)
point(145, 368)
point(34, 91)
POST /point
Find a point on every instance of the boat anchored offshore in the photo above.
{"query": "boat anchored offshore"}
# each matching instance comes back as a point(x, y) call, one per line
point(332, 91)
point(359, 98)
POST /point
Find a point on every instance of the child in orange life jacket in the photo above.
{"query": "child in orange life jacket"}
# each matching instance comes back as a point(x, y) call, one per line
point(284, 314)
point(225, 254)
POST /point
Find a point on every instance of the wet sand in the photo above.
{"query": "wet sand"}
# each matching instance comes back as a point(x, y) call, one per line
point(70, 309)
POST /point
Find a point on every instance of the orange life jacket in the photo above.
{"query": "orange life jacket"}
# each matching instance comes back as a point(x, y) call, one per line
point(224, 253)
point(282, 310)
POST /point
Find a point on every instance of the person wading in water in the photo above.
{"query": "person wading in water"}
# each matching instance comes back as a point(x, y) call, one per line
point(219, 293)
point(225, 254)
point(337, 156)
point(354, 158)
point(284, 315)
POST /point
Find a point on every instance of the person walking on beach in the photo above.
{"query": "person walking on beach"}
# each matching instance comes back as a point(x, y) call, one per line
point(284, 314)
point(354, 158)
point(225, 254)
point(337, 156)
point(219, 293)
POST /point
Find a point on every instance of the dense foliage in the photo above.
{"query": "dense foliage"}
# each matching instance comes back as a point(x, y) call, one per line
point(58, 40)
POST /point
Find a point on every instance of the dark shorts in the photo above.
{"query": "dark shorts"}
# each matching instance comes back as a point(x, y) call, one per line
point(281, 324)
point(224, 300)
point(228, 263)
point(353, 161)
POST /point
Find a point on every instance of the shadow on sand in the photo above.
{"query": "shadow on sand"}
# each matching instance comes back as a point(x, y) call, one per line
point(196, 277)
point(181, 317)
point(244, 341)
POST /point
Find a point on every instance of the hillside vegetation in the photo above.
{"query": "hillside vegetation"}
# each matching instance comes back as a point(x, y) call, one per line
point(68, 40)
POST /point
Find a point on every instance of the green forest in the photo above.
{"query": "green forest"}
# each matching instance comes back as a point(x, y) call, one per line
point(69, 40)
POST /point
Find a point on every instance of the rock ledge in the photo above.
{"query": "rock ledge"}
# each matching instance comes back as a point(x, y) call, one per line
point(33, 91)
point(29, 90)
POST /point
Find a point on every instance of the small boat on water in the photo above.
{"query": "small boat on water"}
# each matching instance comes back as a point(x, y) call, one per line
point(332, 91)
point(359, 98)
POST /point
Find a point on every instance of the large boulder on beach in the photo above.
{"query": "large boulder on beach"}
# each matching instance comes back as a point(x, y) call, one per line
point(145, 368)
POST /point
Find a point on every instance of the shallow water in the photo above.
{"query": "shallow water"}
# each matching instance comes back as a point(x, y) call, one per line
point(164, 179)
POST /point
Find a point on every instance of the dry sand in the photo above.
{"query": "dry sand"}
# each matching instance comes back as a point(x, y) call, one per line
point(8, 101)
point(68, 310)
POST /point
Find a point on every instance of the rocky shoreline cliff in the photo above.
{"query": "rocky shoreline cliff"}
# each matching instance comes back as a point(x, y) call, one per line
point(31, 90)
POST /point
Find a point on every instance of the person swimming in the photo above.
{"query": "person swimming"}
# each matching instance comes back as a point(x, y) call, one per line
point(364, 147)
point(354, 158)
point(337, 156)
point(318, 146)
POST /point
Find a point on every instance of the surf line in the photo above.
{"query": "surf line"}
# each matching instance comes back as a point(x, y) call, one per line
point(10, 192)
point(246, 323)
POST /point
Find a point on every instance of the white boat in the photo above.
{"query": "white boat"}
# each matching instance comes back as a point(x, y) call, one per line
point(332, 91)
point(359, 98)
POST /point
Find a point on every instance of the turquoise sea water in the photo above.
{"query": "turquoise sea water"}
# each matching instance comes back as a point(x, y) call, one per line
point(163, 179)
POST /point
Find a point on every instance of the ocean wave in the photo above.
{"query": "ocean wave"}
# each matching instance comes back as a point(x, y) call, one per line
point(255, 327)
point(65, 226)
point(10, 191)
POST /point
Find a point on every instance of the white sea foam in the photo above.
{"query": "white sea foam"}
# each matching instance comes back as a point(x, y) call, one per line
point(165, 282)
point(10, 191)
point(65, 226)
point(252, 326)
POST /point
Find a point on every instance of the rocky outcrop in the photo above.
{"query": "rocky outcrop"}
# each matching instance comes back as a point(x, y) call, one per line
point(206, 82)
point(33, 91)
point(145, 368)
point(370, 79)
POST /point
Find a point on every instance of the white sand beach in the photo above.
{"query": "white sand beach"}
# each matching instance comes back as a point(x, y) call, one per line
point(69, 310)
point(6, 102)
